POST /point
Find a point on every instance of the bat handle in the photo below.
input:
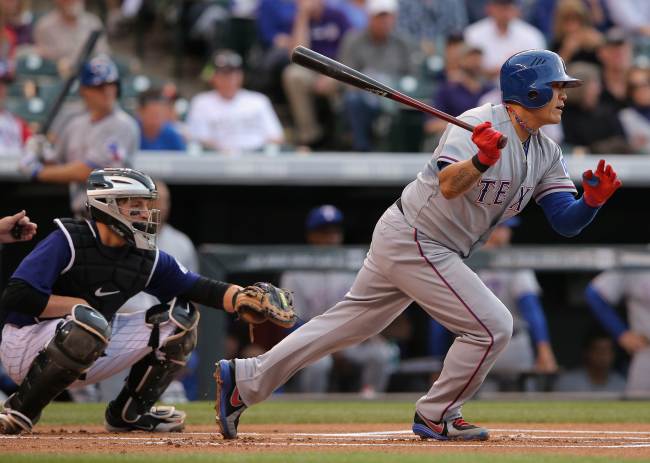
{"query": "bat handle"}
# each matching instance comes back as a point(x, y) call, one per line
point(503, 141)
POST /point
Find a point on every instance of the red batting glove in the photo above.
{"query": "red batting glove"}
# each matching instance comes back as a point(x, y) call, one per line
point(599, 186)
point(486, 138)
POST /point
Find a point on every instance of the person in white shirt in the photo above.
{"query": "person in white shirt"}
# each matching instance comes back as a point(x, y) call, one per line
point(502, 34)
point(230, 118)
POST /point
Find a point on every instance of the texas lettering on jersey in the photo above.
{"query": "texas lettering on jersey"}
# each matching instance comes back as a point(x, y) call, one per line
point(492, 192)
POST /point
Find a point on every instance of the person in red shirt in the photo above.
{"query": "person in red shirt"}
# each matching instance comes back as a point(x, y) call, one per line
point(13, 130)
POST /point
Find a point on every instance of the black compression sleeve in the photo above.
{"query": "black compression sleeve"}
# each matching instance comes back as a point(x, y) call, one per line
point(20, 296)
point(207, 292)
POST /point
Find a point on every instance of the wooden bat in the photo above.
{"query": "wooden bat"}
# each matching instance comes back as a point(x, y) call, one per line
point(339, 71)
point(84, 54)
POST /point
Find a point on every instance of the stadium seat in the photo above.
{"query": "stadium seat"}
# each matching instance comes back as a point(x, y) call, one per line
point(34, 65)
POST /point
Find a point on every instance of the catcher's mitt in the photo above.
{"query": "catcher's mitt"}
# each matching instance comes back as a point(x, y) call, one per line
point(263, 301)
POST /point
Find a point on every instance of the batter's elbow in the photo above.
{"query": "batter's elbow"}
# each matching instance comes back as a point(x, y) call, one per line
point(447, 191)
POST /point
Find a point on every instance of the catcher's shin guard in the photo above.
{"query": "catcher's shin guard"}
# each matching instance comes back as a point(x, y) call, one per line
point(149, 377)
point(76, 344)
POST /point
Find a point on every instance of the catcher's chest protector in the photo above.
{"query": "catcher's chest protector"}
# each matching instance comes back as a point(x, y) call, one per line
point(105, 277)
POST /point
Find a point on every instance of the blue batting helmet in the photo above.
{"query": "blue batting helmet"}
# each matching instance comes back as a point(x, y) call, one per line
point(98, 71)
point(527, 77)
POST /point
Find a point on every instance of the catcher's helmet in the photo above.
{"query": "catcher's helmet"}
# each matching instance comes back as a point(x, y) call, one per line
point(98, 71)
point(105, 189)
point(526, 77)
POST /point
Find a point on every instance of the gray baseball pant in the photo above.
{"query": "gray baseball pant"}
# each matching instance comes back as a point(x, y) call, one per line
point(402, 265)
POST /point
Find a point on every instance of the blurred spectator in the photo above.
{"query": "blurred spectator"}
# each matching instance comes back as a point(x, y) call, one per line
point(502, 34)
point(156, 129)
point(574, 37)
point(61, 34)
point(18, 19)
point(102, 136)
point(426, 22)
point(631, 15)
point(529, 348)
point(597, 375)
point(589, 126)
point(543, 12)
point(354, 10)
point(615, 56)
point(230, 118)
point(636, 118)
point(462, 88)
point(321, 28)
point(14, 131)
point(274, 26)
point(604, 293)
point(315, 291)
point(381, 54)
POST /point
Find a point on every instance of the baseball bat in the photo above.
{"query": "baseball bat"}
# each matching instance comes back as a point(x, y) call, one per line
point(339, 71)
point(84, 54)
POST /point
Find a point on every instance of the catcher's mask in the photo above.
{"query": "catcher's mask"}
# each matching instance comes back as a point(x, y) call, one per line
point(123, 199)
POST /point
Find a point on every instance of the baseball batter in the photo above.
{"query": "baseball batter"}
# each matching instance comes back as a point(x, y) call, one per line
point(102, 136)
point(59, 310)
point(605, 292)
point(419, 244)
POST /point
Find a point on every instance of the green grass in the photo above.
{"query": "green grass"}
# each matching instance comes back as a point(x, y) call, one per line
point(297, 412)
point(355, 457)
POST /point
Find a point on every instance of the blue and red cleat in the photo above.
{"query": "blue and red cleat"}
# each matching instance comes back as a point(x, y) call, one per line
point(229, 404)
point(454, 429)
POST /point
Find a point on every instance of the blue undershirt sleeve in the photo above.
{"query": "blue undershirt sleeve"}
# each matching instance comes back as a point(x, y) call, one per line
point(568, 216)
point(604, 312)
point(531, 309)
point(439, 339)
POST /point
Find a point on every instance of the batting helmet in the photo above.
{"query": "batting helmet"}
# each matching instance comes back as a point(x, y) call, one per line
point(98, 71)
point(527, 78)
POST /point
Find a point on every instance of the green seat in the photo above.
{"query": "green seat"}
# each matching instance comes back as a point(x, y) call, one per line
point(34, 65)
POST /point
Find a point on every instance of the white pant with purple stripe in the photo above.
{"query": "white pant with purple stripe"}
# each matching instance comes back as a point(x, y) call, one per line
point(402, 265)
point(128, 344)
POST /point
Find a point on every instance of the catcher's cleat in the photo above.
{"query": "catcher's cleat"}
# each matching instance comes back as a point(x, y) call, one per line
point(157, 419)
point(14, 422)
point(455, 429)
point(229, 404)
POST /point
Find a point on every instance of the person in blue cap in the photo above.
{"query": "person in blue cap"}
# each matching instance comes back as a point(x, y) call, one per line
point(316, 291)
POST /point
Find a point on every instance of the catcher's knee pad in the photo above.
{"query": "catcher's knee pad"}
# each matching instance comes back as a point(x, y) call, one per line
point(76, 344)
point(151, 375)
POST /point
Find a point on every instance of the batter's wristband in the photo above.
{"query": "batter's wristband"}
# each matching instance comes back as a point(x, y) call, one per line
point(478, 164)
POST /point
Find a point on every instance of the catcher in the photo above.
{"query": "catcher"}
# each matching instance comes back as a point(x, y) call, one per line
point(58, 313)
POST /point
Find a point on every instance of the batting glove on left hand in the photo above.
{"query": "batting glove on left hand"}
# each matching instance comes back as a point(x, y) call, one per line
point(30, 165)
point(599, 186)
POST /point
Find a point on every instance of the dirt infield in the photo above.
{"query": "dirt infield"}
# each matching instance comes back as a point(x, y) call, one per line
point(618, 440)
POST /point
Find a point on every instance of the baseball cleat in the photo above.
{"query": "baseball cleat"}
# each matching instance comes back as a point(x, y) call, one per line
point(157, 419)
point(14, 422)
point(455, 429)
point(229, 404)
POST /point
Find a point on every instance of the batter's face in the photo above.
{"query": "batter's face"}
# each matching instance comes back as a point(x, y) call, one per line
point(551, 113)
point(330, 235)
point(100, 99)
point(499, 238)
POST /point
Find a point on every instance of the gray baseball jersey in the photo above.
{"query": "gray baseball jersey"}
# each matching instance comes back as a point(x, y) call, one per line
point(109, 142)
point(634, 289)
point(464, 223)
